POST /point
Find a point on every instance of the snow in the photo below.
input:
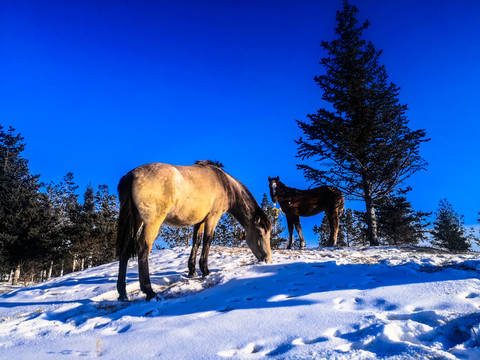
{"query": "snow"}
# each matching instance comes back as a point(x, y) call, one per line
point(328, 303)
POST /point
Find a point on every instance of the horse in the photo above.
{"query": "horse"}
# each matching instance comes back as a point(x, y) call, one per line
point(295, 203)
point(196, 195)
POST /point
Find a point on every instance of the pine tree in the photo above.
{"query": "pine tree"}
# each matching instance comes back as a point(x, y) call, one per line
point(176, 236)
point(105, 226)
point(276, 239)
point(399, 224)
point(352, 228)
point(67, 211)
point(362, 140)
point(323, 233)
point(448, 230)
point(350, 232)
point(24, 210)
point(83, 243)
point(229, 232)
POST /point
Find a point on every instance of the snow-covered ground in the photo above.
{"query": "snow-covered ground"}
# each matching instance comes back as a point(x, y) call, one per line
point(368, 303)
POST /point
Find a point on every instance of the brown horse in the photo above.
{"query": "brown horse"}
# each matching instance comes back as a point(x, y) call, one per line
point(295, 203)
point(198, 195)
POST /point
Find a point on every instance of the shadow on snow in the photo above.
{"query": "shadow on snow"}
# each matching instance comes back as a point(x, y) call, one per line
point(282, 285)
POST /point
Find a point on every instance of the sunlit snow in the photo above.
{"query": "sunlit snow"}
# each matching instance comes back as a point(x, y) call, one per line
point(329, 303)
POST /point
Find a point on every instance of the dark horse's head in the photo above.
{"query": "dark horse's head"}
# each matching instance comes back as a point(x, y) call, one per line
point(273, 183)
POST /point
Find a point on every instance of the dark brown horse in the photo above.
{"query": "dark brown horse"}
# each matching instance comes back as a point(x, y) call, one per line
point(198, 195)
point(295, 203)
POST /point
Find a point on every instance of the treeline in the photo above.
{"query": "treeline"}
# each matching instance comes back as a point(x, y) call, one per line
point(399, 224)
point(45, 230)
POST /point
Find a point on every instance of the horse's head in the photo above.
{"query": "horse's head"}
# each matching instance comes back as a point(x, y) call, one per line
point(273, 183)
point(258, 237)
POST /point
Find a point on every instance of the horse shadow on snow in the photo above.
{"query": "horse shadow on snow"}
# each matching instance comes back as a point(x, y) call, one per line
point(274, 286)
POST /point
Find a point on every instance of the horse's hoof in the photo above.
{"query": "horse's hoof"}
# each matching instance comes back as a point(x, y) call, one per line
point(289, 247)
point(192, 274)
point(123, 298)
point(152, 296)
point(205, 273)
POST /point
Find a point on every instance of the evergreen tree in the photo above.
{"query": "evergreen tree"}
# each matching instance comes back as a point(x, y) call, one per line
point(273, 213)
point(448, 230)
point(67, 211)
point(176, 236)
point(105, 225)
point(350, 232)
point(399, 224)
point(352, 228)
point(363, 139)
point(24, 210)
point(229, 232)
point(84, 241)
point(323, 233)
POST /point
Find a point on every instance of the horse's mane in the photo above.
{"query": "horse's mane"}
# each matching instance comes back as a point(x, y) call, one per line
point(237, 196)
point(215, 163)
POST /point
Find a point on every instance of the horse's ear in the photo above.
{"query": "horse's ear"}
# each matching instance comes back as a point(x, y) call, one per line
point(269, 179)
point(278, 178)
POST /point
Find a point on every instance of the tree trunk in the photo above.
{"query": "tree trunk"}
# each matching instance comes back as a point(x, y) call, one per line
point(370, 218)
point(16, 275)
point(50, 270)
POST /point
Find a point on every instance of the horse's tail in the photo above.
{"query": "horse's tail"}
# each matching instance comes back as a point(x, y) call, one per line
point(127, 220)
point(341, 204)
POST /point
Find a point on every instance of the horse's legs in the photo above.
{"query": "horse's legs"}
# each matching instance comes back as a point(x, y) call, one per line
point(298, 227)
point(290, 231)
point(210, 225)
point(122, 273)
point(197, 238)
point(334, 224)
point(145, 242)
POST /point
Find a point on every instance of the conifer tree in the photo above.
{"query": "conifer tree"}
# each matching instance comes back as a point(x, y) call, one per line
point(350, 231)
point(362, 139)
point(229, 232)
point(85, 224)
point(323, 233)
point(176, 236)
point(66, 210)
point(24, 210)
point(399, 224)
point(105, 225)
point(448, 230)
point(276, 238)
point(352, 228)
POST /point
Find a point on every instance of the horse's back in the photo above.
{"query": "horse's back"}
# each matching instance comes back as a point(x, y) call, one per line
point(311, 202)
point(184, 195)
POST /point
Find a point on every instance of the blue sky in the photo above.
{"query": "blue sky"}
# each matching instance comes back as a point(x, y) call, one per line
point(99, 87)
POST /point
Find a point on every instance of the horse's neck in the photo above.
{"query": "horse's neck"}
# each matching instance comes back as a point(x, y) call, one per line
point(243, 205)
point(283, 190)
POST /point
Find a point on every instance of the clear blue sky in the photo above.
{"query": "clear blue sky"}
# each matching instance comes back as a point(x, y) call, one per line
point(99, 87)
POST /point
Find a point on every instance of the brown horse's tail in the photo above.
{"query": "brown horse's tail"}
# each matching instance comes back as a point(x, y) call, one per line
point(127, 220)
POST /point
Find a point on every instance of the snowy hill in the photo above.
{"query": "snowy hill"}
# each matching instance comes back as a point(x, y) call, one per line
point(372, 303)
